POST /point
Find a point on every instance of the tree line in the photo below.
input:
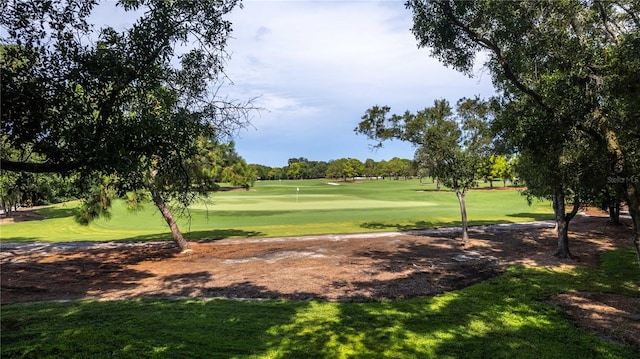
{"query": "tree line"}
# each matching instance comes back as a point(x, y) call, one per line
point(343, 168)
point(493, 168)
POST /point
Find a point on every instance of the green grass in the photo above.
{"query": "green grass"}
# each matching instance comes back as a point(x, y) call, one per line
point(505, 317)
point(276, 208)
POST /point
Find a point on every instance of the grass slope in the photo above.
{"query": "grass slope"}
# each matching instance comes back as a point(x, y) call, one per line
point(505, 317)
point(285, 208)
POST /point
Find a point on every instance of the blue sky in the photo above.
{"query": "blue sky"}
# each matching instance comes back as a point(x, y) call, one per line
point(317, 66)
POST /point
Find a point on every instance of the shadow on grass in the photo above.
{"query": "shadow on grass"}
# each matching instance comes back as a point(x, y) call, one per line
point(56, 212)
point(535, 216)
point(250, 214)
point(199, 236)
point(504, 317)
point(499, 318)
point(421, 225)
point(18, 240)
point(247, 290)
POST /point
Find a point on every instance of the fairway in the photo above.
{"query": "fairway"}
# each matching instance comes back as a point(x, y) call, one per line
point(288, 208)
point(307, 202)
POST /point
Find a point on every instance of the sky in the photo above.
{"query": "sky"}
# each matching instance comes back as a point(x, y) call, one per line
point(315, 67)
point(319, 65)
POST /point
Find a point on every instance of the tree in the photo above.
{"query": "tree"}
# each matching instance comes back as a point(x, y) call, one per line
point(370, 168)
point(317, 169)
point(452, 146)
point(344, 168)
point(128, 104)
point(495, 167)
point(334, 170)
point(566, 66)
point(352, 167)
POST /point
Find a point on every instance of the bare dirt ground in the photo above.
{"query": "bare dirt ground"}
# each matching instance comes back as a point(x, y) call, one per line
point(341, 267)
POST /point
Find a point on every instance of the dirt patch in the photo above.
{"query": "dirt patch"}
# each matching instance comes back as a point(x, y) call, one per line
point(350, 268)
point(613, 317)
point(21, 215)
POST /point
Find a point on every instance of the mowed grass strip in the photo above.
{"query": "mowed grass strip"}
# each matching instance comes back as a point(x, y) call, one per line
point(291, 208)
point(505, 317)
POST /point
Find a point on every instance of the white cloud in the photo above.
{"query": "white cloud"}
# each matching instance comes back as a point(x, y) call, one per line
point(320, 64)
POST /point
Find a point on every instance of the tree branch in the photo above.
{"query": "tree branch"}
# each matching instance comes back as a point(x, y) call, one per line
point(574, 210)
point(491, 46)
point(605, 22)
point(42, 167)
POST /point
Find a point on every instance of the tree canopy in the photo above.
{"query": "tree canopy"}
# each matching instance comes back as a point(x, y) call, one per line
point(124, 109)
point(452, 146)
point(568, 85)
point(88, 98)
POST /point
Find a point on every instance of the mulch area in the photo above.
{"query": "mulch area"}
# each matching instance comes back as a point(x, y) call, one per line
point(366, 268)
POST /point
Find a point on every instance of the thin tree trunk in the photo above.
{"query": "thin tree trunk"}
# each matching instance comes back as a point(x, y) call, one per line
point(463, 214)
point(614, 211)
point(633, 201)
point(167, 215)
point(562, 222)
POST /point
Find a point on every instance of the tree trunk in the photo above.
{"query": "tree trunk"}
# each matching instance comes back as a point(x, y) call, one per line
point(166, 214)
point(562, 222)
point(463, 215)
point(614, 212)
point(633, 201)
point(491, 183)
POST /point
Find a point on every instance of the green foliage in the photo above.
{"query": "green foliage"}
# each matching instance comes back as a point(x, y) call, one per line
point(567, 77)
point(505, 317)
point(107, 103)
point(98, 203)
point(345, 168)
point(496, 167)
point(450, 146)
point(33, 189)
point(136, 104)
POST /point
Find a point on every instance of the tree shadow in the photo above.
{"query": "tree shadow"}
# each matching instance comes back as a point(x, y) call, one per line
point(444, 226)
point(501, 317)
point(400, 227)
point(41, 276)
point(535, 216)
point(248, 290)
point(5, 242)
point(56, 212)
point(498, 318)
point(250, 214)
point(199, 236)
point(429, 266)
point(183, 285)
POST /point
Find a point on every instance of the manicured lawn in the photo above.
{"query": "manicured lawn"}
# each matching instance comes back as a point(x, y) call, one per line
point(505, 317)
point(278, 208)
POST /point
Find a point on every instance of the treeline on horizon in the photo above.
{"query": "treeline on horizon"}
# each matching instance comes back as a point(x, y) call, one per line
point(497, 167)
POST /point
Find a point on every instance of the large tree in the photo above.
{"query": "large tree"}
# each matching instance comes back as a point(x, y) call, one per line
point(100, 101)
point(565, 65)
point(452, 146)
